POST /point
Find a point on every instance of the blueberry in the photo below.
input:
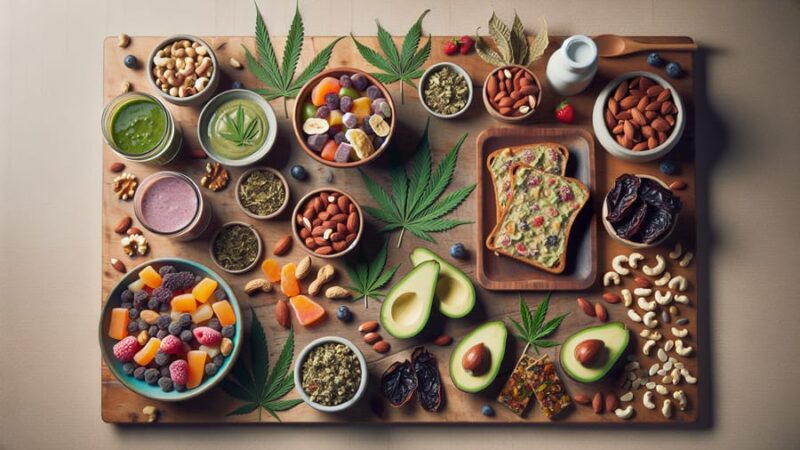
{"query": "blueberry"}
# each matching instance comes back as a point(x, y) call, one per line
point(214, 324)
point(211, 369)
point(373, 92)
point(359, 81)
point(138, 373)
point(162, 359)
point(142, 325)
point(165, 269)
point(186, 336)
point(180, 387)
point(133, 327)
point(298, 172)
point(128, 368)
point(165, 383)
point(654, 59)
point(185, 320)
point(346, 104)
point(458, 251)
point(151, 376)
point(153, 304)
point(487, 411)
point(133, 313)
point(126, 296)
point(237, 85)
point(674, 70)
point(340, 137)
point(218, 360)
point(332, 100)
point(344, 81)
point(228, 331)
point(162, 334)
point(174, 328)
point(130, 62)
point(323, 112)
point(152, 331)
point(344, 314)
point(164, 371)
point(163, 321)
point(669, 167)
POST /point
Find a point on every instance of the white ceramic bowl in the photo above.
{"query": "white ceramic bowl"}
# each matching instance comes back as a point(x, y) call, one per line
point(610, 229)
point(298, 377)
point(611, 145)
point(424, 80)
point(201, 96)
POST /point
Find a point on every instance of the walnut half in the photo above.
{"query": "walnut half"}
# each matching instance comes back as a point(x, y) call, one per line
point(124, 185)
point(135, 244)
point(216, 177)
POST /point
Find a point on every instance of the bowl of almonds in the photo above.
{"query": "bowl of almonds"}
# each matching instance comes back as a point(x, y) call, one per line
point(327, 223)
point(638, 117)
point(184, 70)
point(511, 93)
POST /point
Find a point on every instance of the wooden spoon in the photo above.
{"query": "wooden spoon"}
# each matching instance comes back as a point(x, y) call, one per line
point(611, 45)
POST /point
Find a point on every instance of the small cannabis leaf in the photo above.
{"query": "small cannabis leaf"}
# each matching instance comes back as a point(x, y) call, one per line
point(280, 80)
point(533, 329)
point(368, 278)
point(402, 66)
point(249, 382)
point(413, 204)
point(239, 132)
point(512, 44)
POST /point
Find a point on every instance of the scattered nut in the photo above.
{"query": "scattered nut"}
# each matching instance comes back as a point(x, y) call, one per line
point(125, 185)
point(372, 337)
point(649, 319)
point(624, 414)
point(686, 260)
point(611, 278)
point(118, 265)
point(647, 400)
point(586, 307)
point(123, 225)
point(648, 346)
point(645, 305)
point(658, 269)
point(611, 297)
point(324, 275)
point(598, 403)
point(627, 298)
point(680, 298)
point(663, 299)
point(368, 327)
point(680, 397)
point(661, 355)
point(257, 285)
point(678, 283)
point(151, 413)
point(282, 314)
point(216, 177)
point(134, 245)
point(634, 259)
point(124, 87)
point(226, 347)
point(634, 316)
point(661, 389)
point(123, 40)
point(681, 349)
point(643, 292)
point(116, 167)
point(142, 337)
point(680, 332)
point(337, 292)
point(677, 251)
point(381, 347)
point(642, 282)
point(617, 263)
point(133, 230)
point(283, 246)
point(626, 397)
point(663, 280)
point(303, 268)
point(688, 376)
point(235, 63)
point(443, 340)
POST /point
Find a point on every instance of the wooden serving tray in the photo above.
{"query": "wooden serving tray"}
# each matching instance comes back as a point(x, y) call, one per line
point(496, 272)
point(120, 405)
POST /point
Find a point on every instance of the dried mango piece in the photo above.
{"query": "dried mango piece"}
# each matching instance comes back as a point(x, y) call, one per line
point(307, 311)
point(197, 367)
point(361, 142)
point(118, 325)
point(272, 270)
point(183, 303)
point(148, 352)
point(289, 284)
point(150, 277)
point(224, 312)
point(204, 289)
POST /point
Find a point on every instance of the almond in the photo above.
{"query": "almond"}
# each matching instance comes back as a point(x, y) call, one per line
point(443, 340)
point(638, 117)
point(352, 222)
point(381, 347)
point(660, 124)
point(601, 312)
point(640, 147)
point(611, 297)
point(505, 101)
point(582, 399)
point(368, 327)
point(123, 225)
point(116, 167)
point(629, 102)
point(118, 265)
point(678, 185)
point(642, 282)
point(491, 87)
point(612, 401)
point(282, 246)
point(664, 95)
point(198, 153)
point(373, 337)
point(586, 307)
point(133, 230)
point(619, 94)
point(343, 203)
point(613, 106)
point(653, 91)
point(597, 403)
point(282, 314)
point(324, 250)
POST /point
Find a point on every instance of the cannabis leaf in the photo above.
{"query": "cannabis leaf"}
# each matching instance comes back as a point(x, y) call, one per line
point(402, 66)
point(368, 278)
point(533, 329)
point(239, 132)
point(279, 80)
point(413, 204)
point(249, 382)
point(512, 44)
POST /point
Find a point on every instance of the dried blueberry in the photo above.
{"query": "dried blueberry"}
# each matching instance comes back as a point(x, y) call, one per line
point(162, 334)
point(165, 383)
point(669, 167)
point(346, 103)
point(178, 281)
point(219, 295)
point(142, 325)
point(228, 331)
point(332, 101)
point(211, 369)
point(133, 313)
point(359, 81)
point(218, 360)
point(162, 359)
point(163, 321)
point(374, 92)
point(126, 305)
point(298, 172)
point(133, 327)
point(185, 320)
point(128, 368)
point(165, 269)
point(340, 137)
point(164, 371)
point(153, 304)
point(186, 336)
point(487, 411)
point(180, 387)
point(140, 300)
point(126, 296)
point(344, 314)
point(138, 373)
point(344, 81)
point(151, 376)
point(161, 294)
point(164, 308)
point(213, 323)
point(153, 330)
point(175, 328)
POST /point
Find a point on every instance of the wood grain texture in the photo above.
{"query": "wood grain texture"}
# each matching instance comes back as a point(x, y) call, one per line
point(121, 406)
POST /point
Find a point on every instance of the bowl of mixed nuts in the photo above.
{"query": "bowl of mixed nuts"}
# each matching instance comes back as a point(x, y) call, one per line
point(184, 70)
point(327, 223)
point(445, 90)
point(511, 93)
point(331, 374)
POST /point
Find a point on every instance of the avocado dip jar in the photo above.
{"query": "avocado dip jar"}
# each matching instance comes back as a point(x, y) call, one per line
point(171, 205)
point(138, 127)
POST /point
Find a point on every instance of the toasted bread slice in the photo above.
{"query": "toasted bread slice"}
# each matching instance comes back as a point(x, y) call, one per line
point(535, 227)
point(547, 156)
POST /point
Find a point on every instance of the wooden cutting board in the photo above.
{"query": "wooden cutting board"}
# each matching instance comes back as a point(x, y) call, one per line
point(122, 406)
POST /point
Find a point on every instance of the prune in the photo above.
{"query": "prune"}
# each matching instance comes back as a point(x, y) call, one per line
point(332, 101)
point(399, 382)
point(622, 197)
point(644, 215)
point(346, 104)
point(344, 81)
point(323, 112)
point(655, 194)
point(359, 81)
point(429, 390)
point(633, 224)
point(656, 225)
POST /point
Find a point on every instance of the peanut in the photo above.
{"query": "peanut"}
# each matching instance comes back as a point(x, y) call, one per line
point(324, 275)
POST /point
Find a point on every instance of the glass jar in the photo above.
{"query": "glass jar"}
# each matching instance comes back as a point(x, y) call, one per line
point(170, 204)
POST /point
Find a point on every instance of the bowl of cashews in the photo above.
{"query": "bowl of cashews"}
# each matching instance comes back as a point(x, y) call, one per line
point(183, 69)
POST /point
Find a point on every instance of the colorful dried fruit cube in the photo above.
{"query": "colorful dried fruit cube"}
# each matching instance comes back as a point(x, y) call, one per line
point(150, 277)
point(148, 352)
point(272, 270)
point(224, 312)
point(204, 289)
point(184, 303)
point(289, 284)
point(118, 325)
point(307, 311)
point(196, 360)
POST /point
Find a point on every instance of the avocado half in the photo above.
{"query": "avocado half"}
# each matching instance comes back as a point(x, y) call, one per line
point(615, 339)
point(454, 290)
point(407, 306)
point(493, 335)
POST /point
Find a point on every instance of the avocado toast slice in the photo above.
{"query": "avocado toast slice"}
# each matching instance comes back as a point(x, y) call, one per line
point(547, 156)
point(535, 227)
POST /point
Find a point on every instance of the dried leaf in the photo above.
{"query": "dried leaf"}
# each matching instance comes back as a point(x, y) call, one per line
point(519, 42)
point(486, 53)
point(539, 44)
point(502, 38)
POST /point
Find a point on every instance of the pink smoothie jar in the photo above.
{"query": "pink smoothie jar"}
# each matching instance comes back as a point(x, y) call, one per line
point(170, 204)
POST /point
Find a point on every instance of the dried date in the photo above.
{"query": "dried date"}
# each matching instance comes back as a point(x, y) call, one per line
point(399, 382)
point(430, 383)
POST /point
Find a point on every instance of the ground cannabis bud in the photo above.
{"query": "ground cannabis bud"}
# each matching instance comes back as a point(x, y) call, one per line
point(446, 92)
point(262, 193)
point(236, 247)
point(331, 374)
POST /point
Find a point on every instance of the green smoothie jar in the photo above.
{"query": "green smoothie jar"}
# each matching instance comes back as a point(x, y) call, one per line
point(138, 127)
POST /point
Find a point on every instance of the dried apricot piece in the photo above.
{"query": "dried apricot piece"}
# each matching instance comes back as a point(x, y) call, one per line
point(204, 289)
point(289, 284)
point(150, 277)
point(327, 85)
point(183, 303)
point(148, 352)
point(307, 311)
point(118, 325)
point(224, 312)
point(272, 270)
point(197, 366)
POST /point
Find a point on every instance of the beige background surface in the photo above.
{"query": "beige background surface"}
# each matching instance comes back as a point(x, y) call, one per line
point(50, 102)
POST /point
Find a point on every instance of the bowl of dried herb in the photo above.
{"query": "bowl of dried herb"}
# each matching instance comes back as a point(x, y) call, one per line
point(236, 247)
point(331, 374)
point(262, 192)
point(446, 90)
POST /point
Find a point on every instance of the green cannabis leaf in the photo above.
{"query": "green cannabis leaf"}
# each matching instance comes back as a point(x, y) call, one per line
point(533, 329)
point(239, 132)
point(512, 44)
point(249, 382)
point(402, 66)
point(280, 80)
point(368, 278)
point(413, 204)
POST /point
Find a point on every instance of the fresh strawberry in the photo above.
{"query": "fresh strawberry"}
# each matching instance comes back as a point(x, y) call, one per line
point(179, 371)
point(565, 113)
point(467, 43)
point(171, 345)
point(125, 349)
point(207, 336)
point(451, 47)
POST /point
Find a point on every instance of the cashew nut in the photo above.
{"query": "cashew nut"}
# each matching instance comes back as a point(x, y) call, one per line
point(204, 65)
point(161, 61)
point(666, 409)
point(624, 414)
point(680, 397)
point(634, 259)
point(677, 251)
point(200, 83)
point(678, 283)
point(680, 298)
point(173, 91)
point(653, 370)
point(688, 376)
point(663, 280)
point(634, 316)
point(188, 69)
point(678, 332)
point(687, 259)
point(663, 299)
point(626, 397)
point(676, 376)
point(643, 292)
point(658, 269)
point(611, 278)
point(661, 389)
point(650, 385)
point(650, 334)
point(175, 46)
point(648, 346)
point(617, 262)
point(637, 383)
point(645, 305)
point(681, 349)
point(647, 400)
point(662, 355)
point(669, 345)
point(649, 319)
point(201, 50)
point(123, 40)
point(627, 297)
point(666, 379)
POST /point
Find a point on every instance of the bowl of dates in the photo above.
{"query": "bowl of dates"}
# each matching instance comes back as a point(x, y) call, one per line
point(640, 211)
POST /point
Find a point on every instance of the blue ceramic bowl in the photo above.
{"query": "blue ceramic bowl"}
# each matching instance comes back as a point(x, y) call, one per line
point(140, 386)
